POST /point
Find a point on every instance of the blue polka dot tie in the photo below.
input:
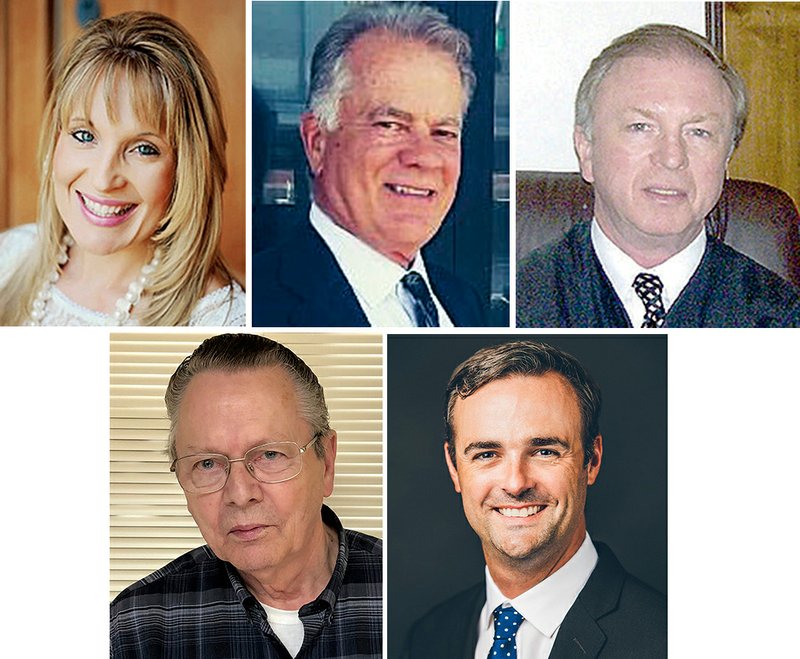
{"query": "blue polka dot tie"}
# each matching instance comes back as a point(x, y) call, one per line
point(506, 623)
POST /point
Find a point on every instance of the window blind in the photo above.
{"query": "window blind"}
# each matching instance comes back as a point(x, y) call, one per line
point(149, 523)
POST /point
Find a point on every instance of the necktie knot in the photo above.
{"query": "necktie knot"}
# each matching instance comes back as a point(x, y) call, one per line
point(423, 309)
point(506, 624)
point(649, 288)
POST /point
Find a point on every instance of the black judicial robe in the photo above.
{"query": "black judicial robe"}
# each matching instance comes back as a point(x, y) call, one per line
point(562, 284)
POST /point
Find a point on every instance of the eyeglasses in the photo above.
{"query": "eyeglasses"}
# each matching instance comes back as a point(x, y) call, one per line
point(275, 462)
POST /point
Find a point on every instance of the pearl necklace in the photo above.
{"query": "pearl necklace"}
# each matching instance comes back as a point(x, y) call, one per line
point(124, 305)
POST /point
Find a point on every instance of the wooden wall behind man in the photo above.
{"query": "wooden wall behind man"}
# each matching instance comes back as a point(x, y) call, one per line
point(762, 41)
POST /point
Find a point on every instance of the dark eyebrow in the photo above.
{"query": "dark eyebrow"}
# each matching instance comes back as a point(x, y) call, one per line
point(548, 441)
point(481, 446)
point(537, 442)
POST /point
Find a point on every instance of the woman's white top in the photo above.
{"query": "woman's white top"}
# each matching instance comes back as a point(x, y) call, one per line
point(222, 307)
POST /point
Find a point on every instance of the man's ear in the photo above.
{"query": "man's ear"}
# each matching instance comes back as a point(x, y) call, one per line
point(329, 461)
point(597, 457)
point(314, 139)
point(583, 149)
point(452, 469)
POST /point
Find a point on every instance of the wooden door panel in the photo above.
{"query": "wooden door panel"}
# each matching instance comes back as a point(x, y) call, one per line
point(25, 46)
point(762, 41)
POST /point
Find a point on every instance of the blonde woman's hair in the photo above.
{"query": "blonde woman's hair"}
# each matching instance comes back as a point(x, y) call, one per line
point(172, 86)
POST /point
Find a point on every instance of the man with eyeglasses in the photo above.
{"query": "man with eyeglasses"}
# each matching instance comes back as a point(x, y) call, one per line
point(252, 449)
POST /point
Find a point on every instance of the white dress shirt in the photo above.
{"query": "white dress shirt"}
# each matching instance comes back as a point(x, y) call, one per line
point(621, 270)
point(544, 606)
point(375, 279)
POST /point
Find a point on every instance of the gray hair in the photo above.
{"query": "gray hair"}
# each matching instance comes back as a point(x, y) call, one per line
point(237, 352)
point(657, 40)
point(330, 74)
point(527, 358)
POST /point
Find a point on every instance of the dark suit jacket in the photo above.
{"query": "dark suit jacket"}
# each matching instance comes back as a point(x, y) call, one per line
point(616, 616)
point(564, 285)
point(298, 283)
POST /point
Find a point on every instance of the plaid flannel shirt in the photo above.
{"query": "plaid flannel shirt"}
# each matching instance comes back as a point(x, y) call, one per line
point(198, 607)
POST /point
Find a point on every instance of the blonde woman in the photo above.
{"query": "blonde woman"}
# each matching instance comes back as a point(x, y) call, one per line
point(130, 204)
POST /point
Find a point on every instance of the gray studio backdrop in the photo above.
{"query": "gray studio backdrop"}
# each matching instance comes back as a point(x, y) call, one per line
point(432, 552)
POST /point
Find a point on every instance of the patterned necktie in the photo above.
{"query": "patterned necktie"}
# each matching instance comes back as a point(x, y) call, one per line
point(649, 287)
point(424, 310)
point(506, 624)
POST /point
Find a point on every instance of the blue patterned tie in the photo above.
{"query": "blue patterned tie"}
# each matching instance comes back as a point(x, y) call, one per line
point(425, 314)
point(506, 624)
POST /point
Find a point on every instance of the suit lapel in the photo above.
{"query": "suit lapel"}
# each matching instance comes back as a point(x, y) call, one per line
point(580, 637)
point(464, 637)
point(458, 299)
point(318, 282)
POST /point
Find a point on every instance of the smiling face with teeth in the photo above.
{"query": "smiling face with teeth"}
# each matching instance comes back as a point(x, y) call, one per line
point(521, 474)
point(661, 138)
point(113, 175)
point(388, 171)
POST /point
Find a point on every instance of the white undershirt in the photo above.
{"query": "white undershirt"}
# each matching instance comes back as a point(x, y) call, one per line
point(287, 627)
point(544, 606)
point(621, 270)
point(375, 279)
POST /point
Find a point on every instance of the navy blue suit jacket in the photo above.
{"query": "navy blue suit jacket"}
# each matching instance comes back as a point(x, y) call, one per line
point(298, 283)
point(563, 285)
point(616, 616)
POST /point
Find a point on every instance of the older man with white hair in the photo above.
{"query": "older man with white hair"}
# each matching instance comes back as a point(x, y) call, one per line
point(390, 85)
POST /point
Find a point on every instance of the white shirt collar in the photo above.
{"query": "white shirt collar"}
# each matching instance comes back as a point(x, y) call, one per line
point(546, 604)
point(374, 278)
point(621, 270)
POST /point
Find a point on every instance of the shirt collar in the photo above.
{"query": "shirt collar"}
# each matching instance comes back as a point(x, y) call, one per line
point(372, 276)
point(621, 269)
point(546, 604)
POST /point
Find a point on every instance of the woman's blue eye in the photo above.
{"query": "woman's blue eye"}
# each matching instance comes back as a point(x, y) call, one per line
point(82, 136)
point(146, 150)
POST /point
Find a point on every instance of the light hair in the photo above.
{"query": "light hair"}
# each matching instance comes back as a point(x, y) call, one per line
point(659, 41)
point(239, 352)
point(529, 359)
point(330, 73)
point(171, 86)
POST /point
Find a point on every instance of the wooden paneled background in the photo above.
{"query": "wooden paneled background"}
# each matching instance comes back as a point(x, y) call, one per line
point(762, 41)
point(31, 31)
